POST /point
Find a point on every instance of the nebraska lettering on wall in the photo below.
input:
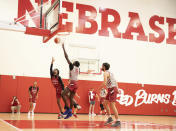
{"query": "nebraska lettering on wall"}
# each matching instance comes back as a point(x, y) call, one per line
point(135, 26)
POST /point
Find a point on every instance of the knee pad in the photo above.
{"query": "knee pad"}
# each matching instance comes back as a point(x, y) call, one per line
point(75, 105)
point(101, 106)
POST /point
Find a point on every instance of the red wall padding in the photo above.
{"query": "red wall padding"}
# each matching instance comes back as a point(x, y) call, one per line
point(46, 102)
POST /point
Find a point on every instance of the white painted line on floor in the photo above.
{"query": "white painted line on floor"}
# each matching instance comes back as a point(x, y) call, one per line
point(18, 129)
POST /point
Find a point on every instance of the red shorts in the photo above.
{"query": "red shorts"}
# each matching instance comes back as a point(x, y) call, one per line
point(33, 99)
point(102, 100)
point(58, 94)
point(112, 94)
point(73, 86)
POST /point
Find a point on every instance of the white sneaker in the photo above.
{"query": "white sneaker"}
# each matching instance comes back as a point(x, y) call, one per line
point(93, 114)
point(90, 114)
point(78, 107)
point(29, 115)
point(32, 113)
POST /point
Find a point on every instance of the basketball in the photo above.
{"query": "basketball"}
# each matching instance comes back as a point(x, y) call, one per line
point(57, 40)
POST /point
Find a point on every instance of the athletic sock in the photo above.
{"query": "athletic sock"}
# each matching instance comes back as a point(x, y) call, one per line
point(34, 104)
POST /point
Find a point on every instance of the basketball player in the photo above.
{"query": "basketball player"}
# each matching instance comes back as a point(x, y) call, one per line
point(72, 87)
point(111, 84)
point(15, 105)
point(103, 94)
point(92, 96)
point(58, 85)
point(33, 95)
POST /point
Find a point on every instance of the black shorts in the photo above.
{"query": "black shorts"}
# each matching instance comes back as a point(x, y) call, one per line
point(92, 102)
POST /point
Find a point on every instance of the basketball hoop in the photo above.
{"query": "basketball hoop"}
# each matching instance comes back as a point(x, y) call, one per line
point(63, 36)
point(88, 72)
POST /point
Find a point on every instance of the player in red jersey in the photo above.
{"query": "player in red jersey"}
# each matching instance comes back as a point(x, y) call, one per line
point(92, 96)
point(72, 87)
point(33, 95)
point(15, 105)
point(58, 85)
point(111, 84)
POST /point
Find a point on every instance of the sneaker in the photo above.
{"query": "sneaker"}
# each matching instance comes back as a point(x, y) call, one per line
point(90, 114)
point(67, 111)
point(100, 113)
point(75, 115)
point(78, 107)
point(93, 114)
point(68, 115)
point(60, 116)
point(110, 120)
point(117, 123)
point(32, 113)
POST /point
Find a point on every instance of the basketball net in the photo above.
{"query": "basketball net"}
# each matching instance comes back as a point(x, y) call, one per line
point(64, 37)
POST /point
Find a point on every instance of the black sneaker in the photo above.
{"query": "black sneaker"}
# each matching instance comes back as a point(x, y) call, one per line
point(116, 124)
point(110, 120)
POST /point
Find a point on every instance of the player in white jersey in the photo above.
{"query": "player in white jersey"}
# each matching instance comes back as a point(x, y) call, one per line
point(111, 84)
point(72, 87)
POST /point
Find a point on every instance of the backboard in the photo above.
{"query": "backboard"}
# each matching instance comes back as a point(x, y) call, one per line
point(51, 19)
point(88, 56)
point(43, 20)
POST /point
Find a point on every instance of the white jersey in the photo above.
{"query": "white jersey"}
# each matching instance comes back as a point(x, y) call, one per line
point(111, 81)
point(103, 93)
point(74, 73)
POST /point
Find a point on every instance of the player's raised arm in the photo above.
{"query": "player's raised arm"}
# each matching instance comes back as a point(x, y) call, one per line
point(51, 67)
point(65, 54)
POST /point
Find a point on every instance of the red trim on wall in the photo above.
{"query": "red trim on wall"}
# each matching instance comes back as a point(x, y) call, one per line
point(46, 102)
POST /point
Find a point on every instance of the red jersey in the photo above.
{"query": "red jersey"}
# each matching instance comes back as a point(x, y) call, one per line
point(92, 95)
point(33, 91)
point(56, 83)
point(56, 80)
point(15, 103)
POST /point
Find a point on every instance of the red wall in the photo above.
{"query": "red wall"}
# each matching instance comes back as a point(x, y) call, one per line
point(46, 102)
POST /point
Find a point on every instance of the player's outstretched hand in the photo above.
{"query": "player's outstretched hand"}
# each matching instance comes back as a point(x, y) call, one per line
point(52, 60)
point(62, 44)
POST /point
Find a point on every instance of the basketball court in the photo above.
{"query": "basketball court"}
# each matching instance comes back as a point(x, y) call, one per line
point(135, 39)
point(84, 123)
